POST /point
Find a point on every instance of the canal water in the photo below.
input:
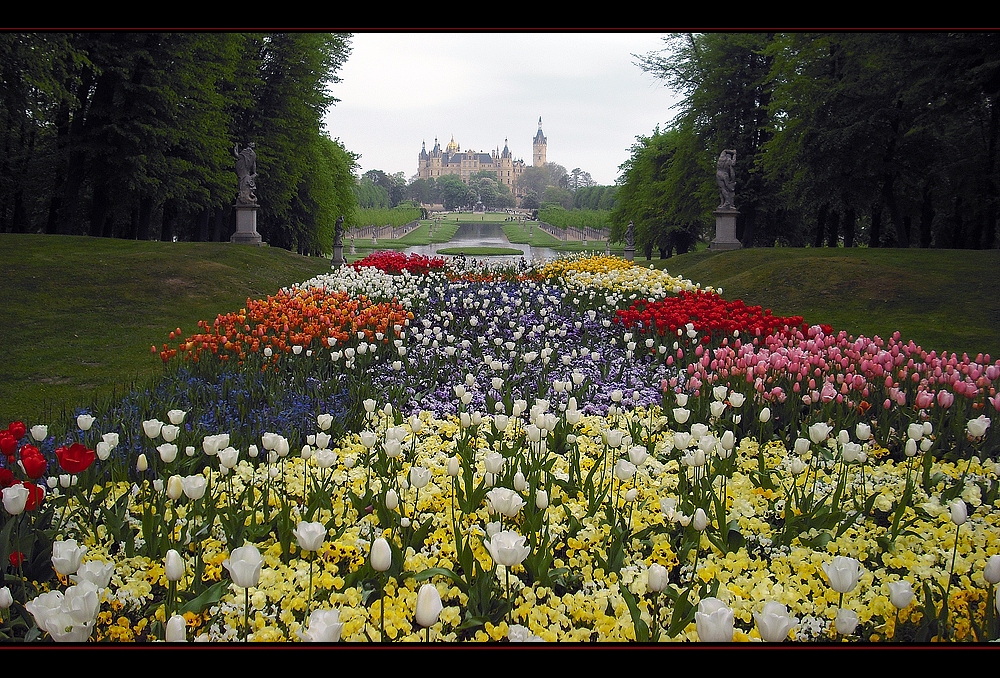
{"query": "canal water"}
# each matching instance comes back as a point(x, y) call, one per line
point(483, 235)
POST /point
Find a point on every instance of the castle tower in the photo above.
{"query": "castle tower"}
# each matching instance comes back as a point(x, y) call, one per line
point(538, 146)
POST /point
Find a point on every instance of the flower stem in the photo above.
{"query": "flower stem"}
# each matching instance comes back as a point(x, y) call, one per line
point(309, 602)
point(381, 612)
point(951, 573)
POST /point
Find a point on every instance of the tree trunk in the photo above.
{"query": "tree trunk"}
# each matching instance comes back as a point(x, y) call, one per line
point(218, 225)
point(976, 237)
point(167, 230)
point(55, 205)
point(850, 226)
point(889, 199)
point(109, 228)
point(926, 217)
point(749, 218)
point(98, 210)
point(201, 225)
point(77, 165)
point(820, 226)
point(133, 225)
point(833, 232)
point(170, 216)
point(990, 234)
point(69, 176)
point(875, 235)
point(19, 216)
point(145, 216)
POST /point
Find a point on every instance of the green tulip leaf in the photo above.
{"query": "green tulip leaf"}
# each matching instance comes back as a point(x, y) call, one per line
point(208, 597)
point(641, 628)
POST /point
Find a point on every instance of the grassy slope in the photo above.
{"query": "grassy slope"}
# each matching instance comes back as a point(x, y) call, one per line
point(941, 299)
point(82, 313)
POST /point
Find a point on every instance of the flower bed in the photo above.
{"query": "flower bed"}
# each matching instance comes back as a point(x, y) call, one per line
point(586, 451)
point(391, 261)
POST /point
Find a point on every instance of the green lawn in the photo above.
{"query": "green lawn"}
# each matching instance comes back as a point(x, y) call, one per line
point(945, 300)
point(80, 314)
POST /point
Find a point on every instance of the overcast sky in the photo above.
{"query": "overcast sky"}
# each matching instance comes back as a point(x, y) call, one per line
point(400, 90)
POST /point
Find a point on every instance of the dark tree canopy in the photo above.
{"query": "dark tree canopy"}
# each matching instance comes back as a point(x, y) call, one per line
point(131, 134)
point(873, 138)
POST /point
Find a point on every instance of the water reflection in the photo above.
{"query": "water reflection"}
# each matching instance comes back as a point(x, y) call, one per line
point(483, 235)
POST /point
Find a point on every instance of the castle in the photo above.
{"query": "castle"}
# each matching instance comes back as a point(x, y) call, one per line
point(465, 164)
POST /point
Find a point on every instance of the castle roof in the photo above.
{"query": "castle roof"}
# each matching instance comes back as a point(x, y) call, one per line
point(539, 137)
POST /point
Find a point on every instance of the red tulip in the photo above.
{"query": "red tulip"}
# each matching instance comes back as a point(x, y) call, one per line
point(8, 443)
point(76, 458)
point(33, 462)
point(17, 429)
point(36, 493)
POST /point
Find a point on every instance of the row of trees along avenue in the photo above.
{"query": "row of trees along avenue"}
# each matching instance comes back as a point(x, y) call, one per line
point(550, 183)
point(879, 139)
point(132, 135)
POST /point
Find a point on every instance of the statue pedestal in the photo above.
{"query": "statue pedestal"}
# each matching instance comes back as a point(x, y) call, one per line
point(246, 226)
point(338, 256)
point(629, 253)
point(725, 230)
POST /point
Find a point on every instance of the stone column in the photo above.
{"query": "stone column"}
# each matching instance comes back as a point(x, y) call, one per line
point(246, 226)
point(725, 230)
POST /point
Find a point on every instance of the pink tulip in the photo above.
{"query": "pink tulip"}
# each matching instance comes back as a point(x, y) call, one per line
point(828, 392)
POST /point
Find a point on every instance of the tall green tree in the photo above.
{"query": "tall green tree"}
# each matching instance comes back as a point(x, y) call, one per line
point(956, 91)
point(455, 194)
point(369, 195)
point(36, 86)
point(845, 140)
point(423, 191)
point(662, 193)
point(537, 179)
point(578, 179)
point(285, 120)
point(325, 194)
point(897, 127)
point(144, 128)
point(724, 80)
point(132, 134)
point(394, 185)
